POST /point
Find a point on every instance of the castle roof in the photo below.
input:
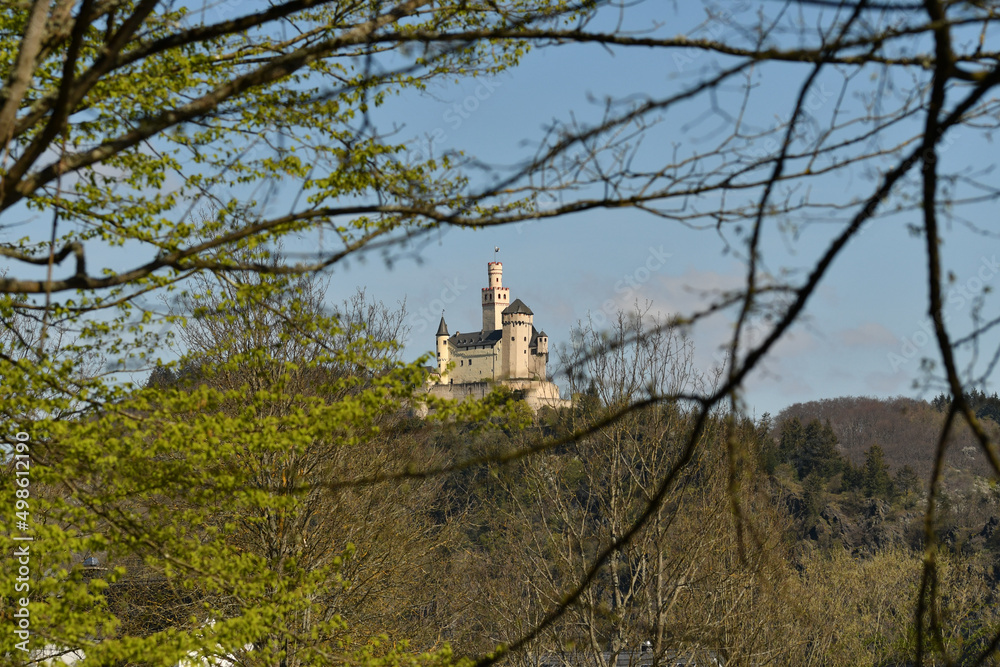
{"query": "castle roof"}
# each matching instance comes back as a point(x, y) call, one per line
point(517, 307)
point(476, 338)
point(442, 328)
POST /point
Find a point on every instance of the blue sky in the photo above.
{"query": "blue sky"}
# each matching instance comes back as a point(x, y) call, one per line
point(865, 330)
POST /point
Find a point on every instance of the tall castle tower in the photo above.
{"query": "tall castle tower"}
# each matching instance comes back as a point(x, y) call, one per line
point(518, 331)
point(496, 297)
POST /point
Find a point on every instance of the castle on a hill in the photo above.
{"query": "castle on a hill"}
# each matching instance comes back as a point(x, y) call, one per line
point(507, 350)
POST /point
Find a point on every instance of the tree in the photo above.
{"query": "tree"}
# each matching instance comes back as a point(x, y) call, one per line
point(791, 440)
point(819, 451)
point(907, 483)
point(378, 542)
point(810, 449)
point(209, 498)
point(128, 123)
point(681, 585)
point(876, 481)
point(127, 120)
point(813, 498)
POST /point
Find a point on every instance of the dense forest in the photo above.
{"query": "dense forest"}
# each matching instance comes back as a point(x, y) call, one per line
point(208, 463)
point(815, 558)
point(793, 540)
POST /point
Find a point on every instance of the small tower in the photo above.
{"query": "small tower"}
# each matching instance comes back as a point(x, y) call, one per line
point(496, 297)
point(543, 344)
point(443, 353)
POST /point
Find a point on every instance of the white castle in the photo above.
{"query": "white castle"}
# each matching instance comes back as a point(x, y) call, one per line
point(508, 351)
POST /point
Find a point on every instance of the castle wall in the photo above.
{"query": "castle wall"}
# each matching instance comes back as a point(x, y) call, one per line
point(536, 394)
point(536, 365)
point(458, 392)
point(474, 364)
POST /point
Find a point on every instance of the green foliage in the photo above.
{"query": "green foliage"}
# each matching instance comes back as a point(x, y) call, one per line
point(791, 440)
point(876, 481)
point(852, 477)
point(907, 483)
point(152, 138)
point(984, 406)
point(810, 449)
point(817, 451)
point(208, 493)
point(813, 497)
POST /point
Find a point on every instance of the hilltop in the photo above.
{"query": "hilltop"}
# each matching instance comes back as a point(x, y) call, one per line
point(906, 429)
point(853, 471)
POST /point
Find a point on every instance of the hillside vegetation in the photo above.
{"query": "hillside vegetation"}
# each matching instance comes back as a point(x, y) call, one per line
point(906, 429)
point(772, 545)
point(853, 471)
point(320, 515)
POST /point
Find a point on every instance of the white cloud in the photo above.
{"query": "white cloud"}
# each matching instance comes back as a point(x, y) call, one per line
point(869, 334)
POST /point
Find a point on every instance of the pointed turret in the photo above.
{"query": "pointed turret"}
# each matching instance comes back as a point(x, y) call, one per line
point(443, 351)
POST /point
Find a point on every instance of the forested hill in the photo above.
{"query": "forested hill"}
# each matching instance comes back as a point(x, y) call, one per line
point(906, 429)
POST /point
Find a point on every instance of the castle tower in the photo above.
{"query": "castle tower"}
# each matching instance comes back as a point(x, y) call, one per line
point(443, 353)
point(496, 297)
point(517, 325)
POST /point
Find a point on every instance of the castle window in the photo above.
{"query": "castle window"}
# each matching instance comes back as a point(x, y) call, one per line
point(512, 339)
point(470, 362)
